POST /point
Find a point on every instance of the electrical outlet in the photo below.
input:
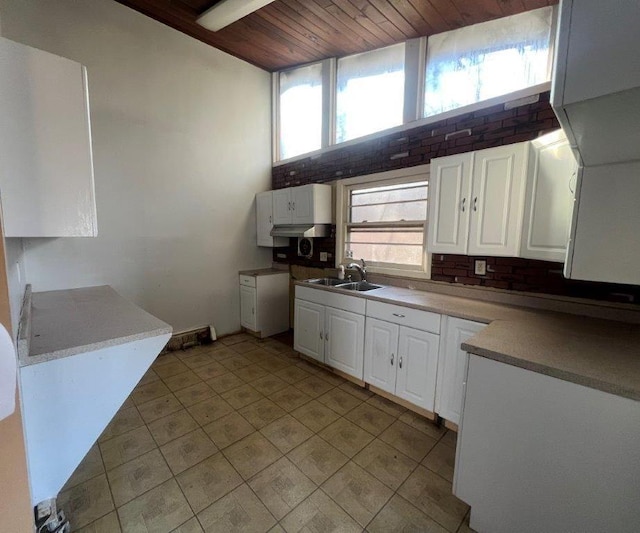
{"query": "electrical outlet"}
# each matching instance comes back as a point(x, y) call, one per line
point(323, 256)
point(282, 256)
point(480, 267)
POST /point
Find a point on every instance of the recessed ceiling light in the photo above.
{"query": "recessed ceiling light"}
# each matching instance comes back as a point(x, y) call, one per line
point(228, 11)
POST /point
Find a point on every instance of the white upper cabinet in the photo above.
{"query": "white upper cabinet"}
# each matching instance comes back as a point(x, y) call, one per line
point(549, 198)
point(496, 207)
point(476, 201)
point(450, 184)
point(512, 200)
point(604, 243)
point(46, 169)
point(264, 221)
point(596, 83)
point(307, 204)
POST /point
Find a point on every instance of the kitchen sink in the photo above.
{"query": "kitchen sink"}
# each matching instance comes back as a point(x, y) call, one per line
point(328, 282)
point(359, 286)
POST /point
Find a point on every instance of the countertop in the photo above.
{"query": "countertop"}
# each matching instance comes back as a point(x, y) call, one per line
point(596, 353)
point(263, 272)
point(62, 323)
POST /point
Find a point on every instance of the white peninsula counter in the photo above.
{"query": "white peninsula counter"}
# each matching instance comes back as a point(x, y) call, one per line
point(81, 352)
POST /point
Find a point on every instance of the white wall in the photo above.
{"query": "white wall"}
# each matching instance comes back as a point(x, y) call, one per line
point(181, 142)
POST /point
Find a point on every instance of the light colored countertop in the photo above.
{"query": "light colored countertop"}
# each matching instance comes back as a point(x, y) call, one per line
point(263, 272)
point(68, 322)
point(600, 354)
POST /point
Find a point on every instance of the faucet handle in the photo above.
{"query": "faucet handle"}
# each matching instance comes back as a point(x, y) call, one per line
point(364, 265)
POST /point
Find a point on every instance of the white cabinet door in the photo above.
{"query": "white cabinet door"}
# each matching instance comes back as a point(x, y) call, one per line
point(248, 307)
point(46, 168)
point(449, 204)
point(264, 221)
point(452, 367)
point(309, 329)
point(549, 198)
point(381, 354)
point(498, 198)
point(302, 204)
point(417, 367)
point(282, 213)
point(344, 337)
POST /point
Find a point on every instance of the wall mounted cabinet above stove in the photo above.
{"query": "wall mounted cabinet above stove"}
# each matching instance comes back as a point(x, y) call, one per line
point(308, 204)
point(596, 83)
point(46, 168)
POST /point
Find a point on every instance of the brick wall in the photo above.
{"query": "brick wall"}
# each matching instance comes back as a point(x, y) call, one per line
point(493, 126)
point(514, 273)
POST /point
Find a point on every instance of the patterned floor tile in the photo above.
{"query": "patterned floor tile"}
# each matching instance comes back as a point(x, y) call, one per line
point(228, 429)
point(160, 510)
point(408, 440)
point(124, 420)
point(286, 433)
point(171, 427)
point(339, 401)
point(137, 476)
point(107, 524)
point(400, 515)
point(181, 381)
point(317, 459)
point(194, 394)
point(314, 386)
point(123, 448)
point(241, 396)
point(188, 450)
point(290, 398)
point(239, 511)
point(225, 382)
point(151, 391)
point(315, 416)
point(159, 408)
point(89, 467)
point(251, 454)
point(209, 410)
point(261, 413)
point(370, 418)
point(281, 487)
point(357, 492)
point(269, 384)
point(87, 501)
point(428, 427)
point(208, 481)
point(385, 463)
point(441, 460)
point(319, 514)
point(171, 369)
point(346, 436)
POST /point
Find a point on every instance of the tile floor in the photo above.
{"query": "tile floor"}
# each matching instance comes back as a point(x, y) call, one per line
point(243, 435)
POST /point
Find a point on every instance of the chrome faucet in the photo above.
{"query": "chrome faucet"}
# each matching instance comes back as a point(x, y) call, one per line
point(362, 270)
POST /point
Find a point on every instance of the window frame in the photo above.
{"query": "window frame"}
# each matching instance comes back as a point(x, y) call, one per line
point(392, 177)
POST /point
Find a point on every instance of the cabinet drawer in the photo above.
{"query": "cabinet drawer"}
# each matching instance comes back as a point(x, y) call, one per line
point(248, 281)
point(345, 302)
point(405, 316)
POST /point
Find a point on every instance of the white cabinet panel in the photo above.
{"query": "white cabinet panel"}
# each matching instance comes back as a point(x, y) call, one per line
point(498, 197)
point(344, 335)
point(264, 221)
point(452, 367)
point(46, 168)
point(381, 354)
point(302, 205)
point(528, 440)
point(549, 199)
point(417, 367)
point(450, 184)
point(604, 242)
point(308, 329)
point(282, 207)
point(248, 307)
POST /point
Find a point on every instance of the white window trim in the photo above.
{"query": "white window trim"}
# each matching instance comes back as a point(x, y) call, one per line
point(403, 175)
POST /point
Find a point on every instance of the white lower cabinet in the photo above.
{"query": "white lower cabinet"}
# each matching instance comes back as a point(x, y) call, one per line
point(329, 328)
point(401, 361)
point(248, 306)
point(452, 367)
point(309, 329)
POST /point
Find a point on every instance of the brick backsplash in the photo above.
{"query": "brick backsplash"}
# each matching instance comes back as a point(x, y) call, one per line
point(530, 275)
point(486, 128)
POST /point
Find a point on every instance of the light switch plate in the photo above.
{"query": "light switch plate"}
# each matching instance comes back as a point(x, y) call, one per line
point(480, 267)
point(323, 256)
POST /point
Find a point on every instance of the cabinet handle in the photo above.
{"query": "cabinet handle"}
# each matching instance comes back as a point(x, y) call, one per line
point(391, 359)
point(475, 203)
point(398, 315)
point(293, 206)
point(326, 337)
point(321, 335)
point(289, 206)
point(464, 201)
point(253, 310)
point(400, 362)
point(269, 219)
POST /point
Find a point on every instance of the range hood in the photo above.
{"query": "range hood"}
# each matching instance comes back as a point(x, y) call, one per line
point(301, 230)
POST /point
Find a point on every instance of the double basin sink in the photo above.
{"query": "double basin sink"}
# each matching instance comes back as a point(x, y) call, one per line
point(342, 284)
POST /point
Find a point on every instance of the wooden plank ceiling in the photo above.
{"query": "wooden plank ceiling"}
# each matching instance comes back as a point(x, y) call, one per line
point(286, 33)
